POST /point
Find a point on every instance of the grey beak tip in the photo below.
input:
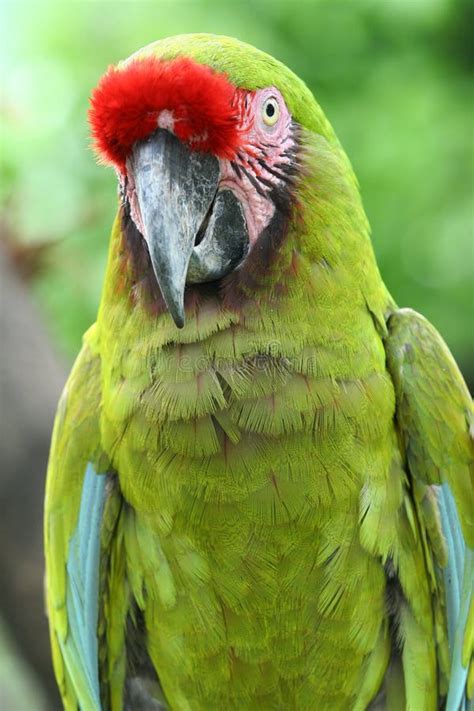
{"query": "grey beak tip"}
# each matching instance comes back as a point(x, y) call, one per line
point(176, 310)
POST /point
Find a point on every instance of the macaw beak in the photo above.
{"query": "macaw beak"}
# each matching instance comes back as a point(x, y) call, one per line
point(193, 232)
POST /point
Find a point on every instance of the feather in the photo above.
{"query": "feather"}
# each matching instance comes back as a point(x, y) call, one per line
point(80, 649)
point(459, 585)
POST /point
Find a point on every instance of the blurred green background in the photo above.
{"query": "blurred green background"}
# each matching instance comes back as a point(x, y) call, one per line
point(393, 76)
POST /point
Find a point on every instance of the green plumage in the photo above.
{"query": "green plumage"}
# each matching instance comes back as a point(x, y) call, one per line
point(271, 515)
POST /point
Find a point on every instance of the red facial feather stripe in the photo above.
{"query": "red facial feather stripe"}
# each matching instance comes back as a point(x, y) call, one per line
point(127, 102)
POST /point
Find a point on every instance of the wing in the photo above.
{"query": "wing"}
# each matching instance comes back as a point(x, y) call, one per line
point(80, 509)
point(435, 419)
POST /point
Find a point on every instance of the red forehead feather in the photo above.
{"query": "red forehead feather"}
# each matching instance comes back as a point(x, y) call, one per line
point(126, 104)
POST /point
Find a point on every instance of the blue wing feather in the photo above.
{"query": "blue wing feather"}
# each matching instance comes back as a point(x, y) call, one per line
point(459, 585)
point(80, 649)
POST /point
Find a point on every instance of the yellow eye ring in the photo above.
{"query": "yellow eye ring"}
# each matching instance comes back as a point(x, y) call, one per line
point(270, 111)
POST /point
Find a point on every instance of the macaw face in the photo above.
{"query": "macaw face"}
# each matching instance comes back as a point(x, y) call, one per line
point(204, 166)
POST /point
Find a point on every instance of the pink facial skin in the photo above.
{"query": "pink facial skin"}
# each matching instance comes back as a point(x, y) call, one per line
point(265, 153)
point(262, 165)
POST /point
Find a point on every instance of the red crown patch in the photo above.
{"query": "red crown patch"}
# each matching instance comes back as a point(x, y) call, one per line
point(127, 103)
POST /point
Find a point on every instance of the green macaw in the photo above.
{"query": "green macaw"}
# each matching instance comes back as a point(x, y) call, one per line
point(259, 494)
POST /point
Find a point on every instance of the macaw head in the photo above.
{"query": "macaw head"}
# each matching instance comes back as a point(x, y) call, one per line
point(206, 136)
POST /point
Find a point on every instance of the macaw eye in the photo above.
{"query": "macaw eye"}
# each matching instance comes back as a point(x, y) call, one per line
point(270, 111)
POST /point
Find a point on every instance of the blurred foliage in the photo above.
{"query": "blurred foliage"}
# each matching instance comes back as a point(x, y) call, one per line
point(19, 689)
point(393, 77)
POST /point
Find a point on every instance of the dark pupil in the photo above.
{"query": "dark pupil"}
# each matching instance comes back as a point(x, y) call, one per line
point(270, 110)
